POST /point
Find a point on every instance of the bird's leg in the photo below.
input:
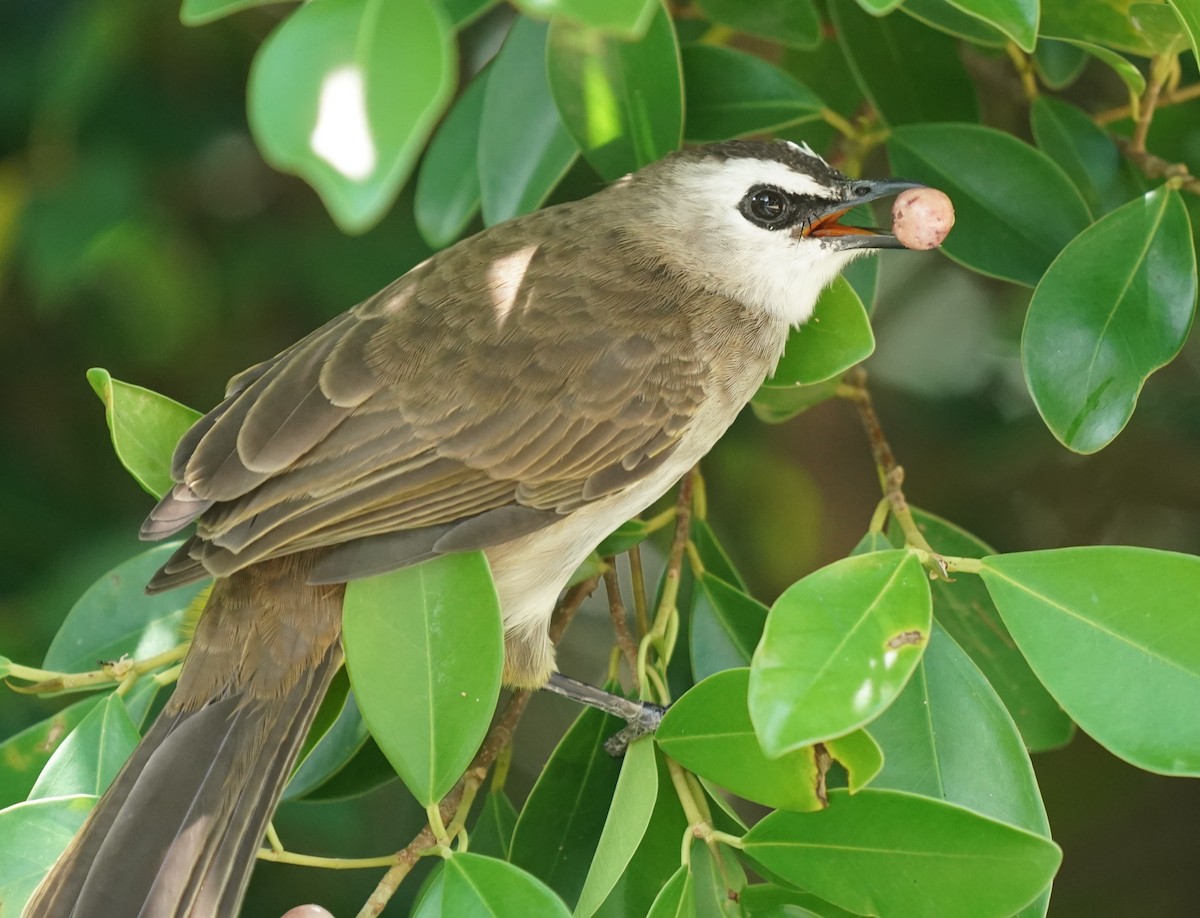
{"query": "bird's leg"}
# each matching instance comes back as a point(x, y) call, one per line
point(641, 717)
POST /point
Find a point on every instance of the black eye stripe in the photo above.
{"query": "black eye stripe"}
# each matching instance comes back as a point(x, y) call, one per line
point(772, 208)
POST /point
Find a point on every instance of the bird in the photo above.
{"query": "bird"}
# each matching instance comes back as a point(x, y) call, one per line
point(523, 393)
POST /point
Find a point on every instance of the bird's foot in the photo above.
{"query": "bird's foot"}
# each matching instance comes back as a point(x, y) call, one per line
point(641, 717)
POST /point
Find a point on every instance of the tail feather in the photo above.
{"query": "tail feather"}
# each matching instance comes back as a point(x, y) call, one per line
point(177, 832)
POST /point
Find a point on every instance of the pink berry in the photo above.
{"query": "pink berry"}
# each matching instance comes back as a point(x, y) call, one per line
point(921, 218)
point(307, 911)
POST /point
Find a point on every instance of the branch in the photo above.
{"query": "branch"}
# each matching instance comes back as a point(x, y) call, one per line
point(1176, 174)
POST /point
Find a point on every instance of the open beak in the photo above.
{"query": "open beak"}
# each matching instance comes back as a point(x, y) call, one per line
point(861, 191)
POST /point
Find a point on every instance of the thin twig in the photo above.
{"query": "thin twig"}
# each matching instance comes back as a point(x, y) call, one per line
point(616, 610)
point(1121, 112)
point(1176, 174)
point(1160, 72)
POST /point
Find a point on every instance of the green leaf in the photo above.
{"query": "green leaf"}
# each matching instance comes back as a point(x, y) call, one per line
point(474, 886)
point(625, 18)
point(940, 15)
point(731, 93)
point(367, 770)
point(879, 7)
point(1129, 74)
point(1115, 306)
point(628, 816)
point(345, 93)
point(335, 738)
point(1098, 22)
point(708, 731)
point(909, 73)
point(656, 858)
point(443, 617)
point(1189, 14)
point(1015, 209)
point(1160, 26)
point(716, 884)
point(32, 836)
point(622, 101)
point(774, 406)
point(787, 22)
point(447, 196)
point(837, 337)
point(25, 754)
point(1085, 152)
point(200, 12)
point(964, 608)
point(1018, 19)
point(493, 830)
point(724, 628)
point(764, 900)
point(967, 864)
point(145, 427)
point(115, 617)
point(564, 816)
point(1113, 634)
point(524, 147)
point(91, 756)
point(949, 736)
point(1059, 63)
point(859, 755)
point(713, 555)
point(678, 897)
point(464, 12)
point(623, 538)
point(837, 649)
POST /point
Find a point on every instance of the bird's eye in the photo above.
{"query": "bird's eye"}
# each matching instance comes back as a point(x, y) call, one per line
point(767, 207)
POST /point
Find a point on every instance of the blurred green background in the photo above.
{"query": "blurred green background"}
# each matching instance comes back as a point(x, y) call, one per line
point(140, 231)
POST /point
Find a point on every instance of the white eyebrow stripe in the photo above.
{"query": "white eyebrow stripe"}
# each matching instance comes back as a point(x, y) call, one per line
point(733, 178)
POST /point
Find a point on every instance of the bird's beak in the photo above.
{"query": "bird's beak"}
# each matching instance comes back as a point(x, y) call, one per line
point(861, 191)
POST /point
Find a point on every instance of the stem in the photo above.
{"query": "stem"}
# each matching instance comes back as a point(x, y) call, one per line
point(330, 863)
point(1121, 112)
point(115, 672)
point(616, 611)
point(1160, 72)
point(1025, 71)
point(641, 607)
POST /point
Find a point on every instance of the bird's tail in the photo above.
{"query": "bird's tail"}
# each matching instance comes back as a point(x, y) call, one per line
point(177, 832)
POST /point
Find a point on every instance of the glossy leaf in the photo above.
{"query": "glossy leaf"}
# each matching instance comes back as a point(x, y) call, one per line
point(949, 736)
point(442, 618)
point(1099, 22)
point(859, 755)
point(788, 22)
point(493, 830)
point(1189, 14)
point(622, 101)
point(716, 885)
point(144, 426)
point(1162, 29)
point(464, 12)
point(474, 886)
point(725, 626)
point(346, 92)
point(1059, 63)
point(331, 743)
point(837, 337)
point(524, 147)
point(965, 609)
point(115, 617)
point(1084, 151)
point(713, 555)
point(447, 196)
point(564, 816)
point(908, 72)
point(25, 754)
point(624, 537)
point(879, 7)
point(940, 15)
point(1113, 634)
point(32, 836)
point(774, 406)
point(91, 756)
point(1018, 19)
point(656, 858)
point(708, 731)
point(1123, 68)
point(628, 816)
point(200, 12)
point(764, 900)
point(1015, 209)
point(837, 649)
point(1112, 309)
point(967, 864)
point(677, 899)
point(731, 93)
point(625, 18)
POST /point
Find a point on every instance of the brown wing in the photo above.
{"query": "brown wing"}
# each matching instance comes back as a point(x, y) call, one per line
point(480, 397)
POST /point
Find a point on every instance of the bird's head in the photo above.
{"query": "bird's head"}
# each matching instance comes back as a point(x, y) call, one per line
point(756, 222)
